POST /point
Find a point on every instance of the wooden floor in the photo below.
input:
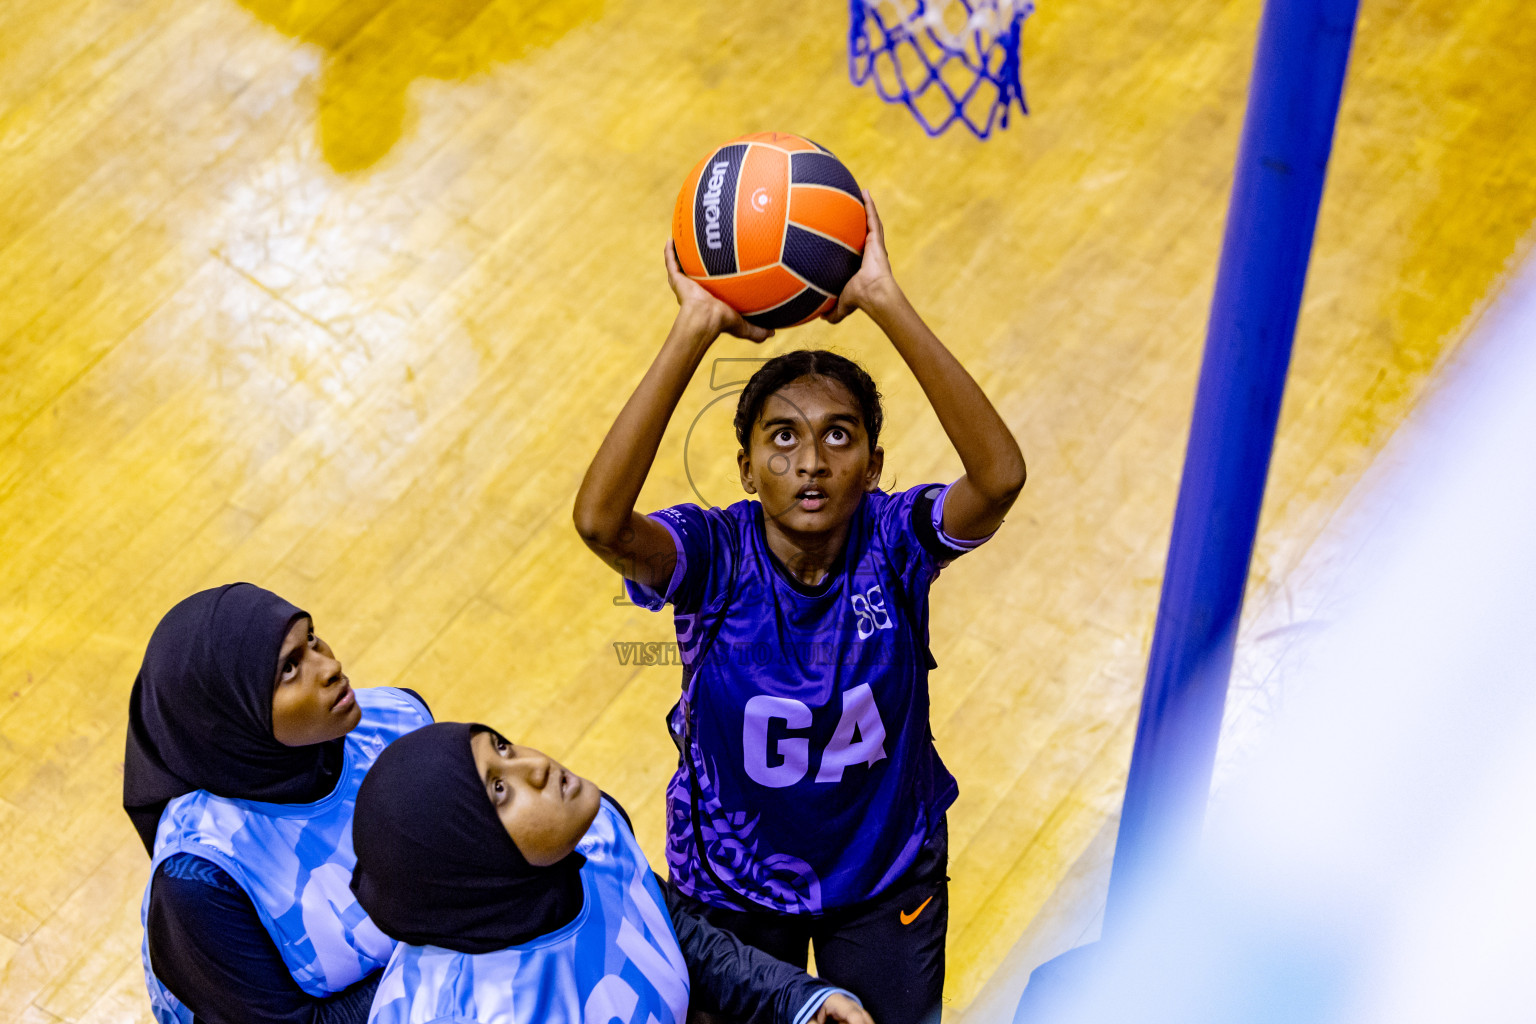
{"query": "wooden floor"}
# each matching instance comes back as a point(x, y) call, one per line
point(339, 297)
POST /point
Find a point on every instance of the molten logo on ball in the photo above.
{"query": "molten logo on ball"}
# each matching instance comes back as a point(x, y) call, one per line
point(772, 225)
point(712, 203)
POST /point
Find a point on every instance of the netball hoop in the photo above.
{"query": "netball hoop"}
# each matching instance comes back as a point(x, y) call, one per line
point(945, 60)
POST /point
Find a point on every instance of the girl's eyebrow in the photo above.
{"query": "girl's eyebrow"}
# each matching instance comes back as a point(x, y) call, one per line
point(288, 651)
point(286, 655)
point(492, 771)
point(785, 421)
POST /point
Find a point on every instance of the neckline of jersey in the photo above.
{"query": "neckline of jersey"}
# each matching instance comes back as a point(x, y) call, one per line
point(571, 927)
point(839, 564)
point(350, 755)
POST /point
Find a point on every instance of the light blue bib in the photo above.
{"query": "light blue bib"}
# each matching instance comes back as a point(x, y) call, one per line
point(294, 861)
point(617, 962)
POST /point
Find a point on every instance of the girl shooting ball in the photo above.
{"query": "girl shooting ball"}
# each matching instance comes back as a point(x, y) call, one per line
point(809, 802)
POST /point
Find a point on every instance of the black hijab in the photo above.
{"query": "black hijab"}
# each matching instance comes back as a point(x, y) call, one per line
point(200, 716)
point(434, 864)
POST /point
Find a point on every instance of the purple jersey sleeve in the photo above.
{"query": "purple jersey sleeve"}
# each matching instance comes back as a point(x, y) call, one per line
point(911, 524)
point(702, 540)
point(952, 547)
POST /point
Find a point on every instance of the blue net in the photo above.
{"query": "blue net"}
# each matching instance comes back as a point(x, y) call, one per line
point(945, 60)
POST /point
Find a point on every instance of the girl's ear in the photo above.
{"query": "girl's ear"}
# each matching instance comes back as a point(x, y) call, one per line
point(875, 468)
point(744, 465)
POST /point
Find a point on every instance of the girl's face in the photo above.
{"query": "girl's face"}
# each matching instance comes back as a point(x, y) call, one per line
point(545, 808)
point(809, 459)
point(312, 700)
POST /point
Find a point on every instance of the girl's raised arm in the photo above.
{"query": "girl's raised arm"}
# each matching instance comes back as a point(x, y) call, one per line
point(994, 466)
point(637, 546)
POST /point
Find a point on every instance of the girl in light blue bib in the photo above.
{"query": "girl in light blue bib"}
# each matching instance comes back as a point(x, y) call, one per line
point(520, 896)
point(246, 748)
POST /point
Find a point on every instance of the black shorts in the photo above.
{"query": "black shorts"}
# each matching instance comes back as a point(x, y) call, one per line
point(888, 951)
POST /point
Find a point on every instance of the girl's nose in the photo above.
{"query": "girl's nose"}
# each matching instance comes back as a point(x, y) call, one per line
point(535, 769)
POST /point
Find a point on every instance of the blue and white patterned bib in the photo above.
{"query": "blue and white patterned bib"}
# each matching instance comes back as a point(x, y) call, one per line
point(294, 861)
point(618, 961)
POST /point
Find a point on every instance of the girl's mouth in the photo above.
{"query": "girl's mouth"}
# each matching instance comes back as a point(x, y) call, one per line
point(811, 499)
point(346, 700)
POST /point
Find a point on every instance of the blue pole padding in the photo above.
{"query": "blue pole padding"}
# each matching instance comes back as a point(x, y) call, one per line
point(1293, 103)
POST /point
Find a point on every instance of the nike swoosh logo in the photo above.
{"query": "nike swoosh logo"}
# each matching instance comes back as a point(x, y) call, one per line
point(907, 918)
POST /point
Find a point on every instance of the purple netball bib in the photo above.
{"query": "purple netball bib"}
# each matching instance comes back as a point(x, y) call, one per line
point(808, 779)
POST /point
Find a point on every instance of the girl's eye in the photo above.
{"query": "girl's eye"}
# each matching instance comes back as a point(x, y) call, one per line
point(837, 435)
point(784, 437)
point(290, 667)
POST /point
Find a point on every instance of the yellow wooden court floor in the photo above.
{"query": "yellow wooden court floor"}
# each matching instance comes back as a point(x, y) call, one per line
point(339, 298)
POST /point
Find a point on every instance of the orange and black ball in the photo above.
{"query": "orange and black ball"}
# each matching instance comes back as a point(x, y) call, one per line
point(771, 224)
